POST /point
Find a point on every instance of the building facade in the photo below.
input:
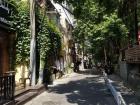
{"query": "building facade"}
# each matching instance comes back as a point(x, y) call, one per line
point(66, 27)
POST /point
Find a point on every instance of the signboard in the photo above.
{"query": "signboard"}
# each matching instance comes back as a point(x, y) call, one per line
point(4, 5)
point(4, 13)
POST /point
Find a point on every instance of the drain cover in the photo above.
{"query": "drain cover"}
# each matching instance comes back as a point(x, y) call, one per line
point(50, 103)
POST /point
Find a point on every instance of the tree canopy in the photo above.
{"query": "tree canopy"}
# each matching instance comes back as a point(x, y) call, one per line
point(99, 27)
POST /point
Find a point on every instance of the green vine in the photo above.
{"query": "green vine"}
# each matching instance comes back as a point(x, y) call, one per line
point(46, 44)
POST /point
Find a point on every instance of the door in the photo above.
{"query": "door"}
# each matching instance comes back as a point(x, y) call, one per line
point(1, 57)
point(4, 54)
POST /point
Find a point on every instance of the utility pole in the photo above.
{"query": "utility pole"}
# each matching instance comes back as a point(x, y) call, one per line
point(32, 43)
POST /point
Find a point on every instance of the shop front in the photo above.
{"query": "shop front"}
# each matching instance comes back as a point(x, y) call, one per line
point(6, 37)
point(7, 78)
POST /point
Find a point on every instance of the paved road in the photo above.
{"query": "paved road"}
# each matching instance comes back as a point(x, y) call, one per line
point(76, 89)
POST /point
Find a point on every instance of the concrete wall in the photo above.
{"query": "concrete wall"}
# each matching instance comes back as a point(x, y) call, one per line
point(123, 70)
point(130, 73)
point(133, 77)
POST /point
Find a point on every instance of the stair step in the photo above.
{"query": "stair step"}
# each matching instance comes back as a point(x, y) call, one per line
point(21, 92)
point(25, 97)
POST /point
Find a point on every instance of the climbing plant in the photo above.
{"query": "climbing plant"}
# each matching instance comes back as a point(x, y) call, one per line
point(44, 32)
point(21, 24)
point(49, 39)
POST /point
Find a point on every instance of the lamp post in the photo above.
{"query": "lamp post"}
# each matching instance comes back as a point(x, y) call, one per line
point(32, 43)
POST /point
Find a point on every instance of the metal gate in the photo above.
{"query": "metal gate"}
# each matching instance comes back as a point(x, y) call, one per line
point(7, 88)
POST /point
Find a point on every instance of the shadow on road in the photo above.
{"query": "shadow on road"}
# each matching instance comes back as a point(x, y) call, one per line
point(90, 90)
point(87, 91)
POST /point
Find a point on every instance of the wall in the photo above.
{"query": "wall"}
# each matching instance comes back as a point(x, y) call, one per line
point(133, 75)
point(130, 73)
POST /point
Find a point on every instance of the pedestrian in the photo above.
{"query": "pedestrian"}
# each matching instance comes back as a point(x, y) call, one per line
point(76, 67)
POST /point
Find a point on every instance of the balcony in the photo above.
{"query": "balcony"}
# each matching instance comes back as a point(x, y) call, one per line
point(132, 54)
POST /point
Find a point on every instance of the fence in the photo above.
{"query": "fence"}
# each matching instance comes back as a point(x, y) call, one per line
point(117, 95)
point(133, 54)
point(7, 88)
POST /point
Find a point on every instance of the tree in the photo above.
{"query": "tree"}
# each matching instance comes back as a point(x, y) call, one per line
point(99, 27)
point(128, 11)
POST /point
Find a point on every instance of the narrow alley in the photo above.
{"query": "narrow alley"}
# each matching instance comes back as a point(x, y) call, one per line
point(88, 50)
point(84, 88)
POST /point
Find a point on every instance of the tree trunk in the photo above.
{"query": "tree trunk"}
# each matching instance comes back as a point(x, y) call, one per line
point(82, 61)
point(105, 56)
point(32, 43)
point(136, 22)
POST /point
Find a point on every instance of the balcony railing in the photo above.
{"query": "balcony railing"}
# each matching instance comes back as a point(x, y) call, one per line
point(132, 55)
point(7, 88)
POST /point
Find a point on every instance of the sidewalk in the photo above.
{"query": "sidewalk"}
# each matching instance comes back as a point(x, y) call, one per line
point(127, 93)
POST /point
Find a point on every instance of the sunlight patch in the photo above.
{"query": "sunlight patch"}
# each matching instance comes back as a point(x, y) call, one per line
point(76, 92)
point(51, 103)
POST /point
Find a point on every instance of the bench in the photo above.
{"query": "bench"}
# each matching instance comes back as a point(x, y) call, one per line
point(23, 81)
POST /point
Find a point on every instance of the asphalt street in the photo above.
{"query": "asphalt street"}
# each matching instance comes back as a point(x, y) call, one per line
point(82, 88)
